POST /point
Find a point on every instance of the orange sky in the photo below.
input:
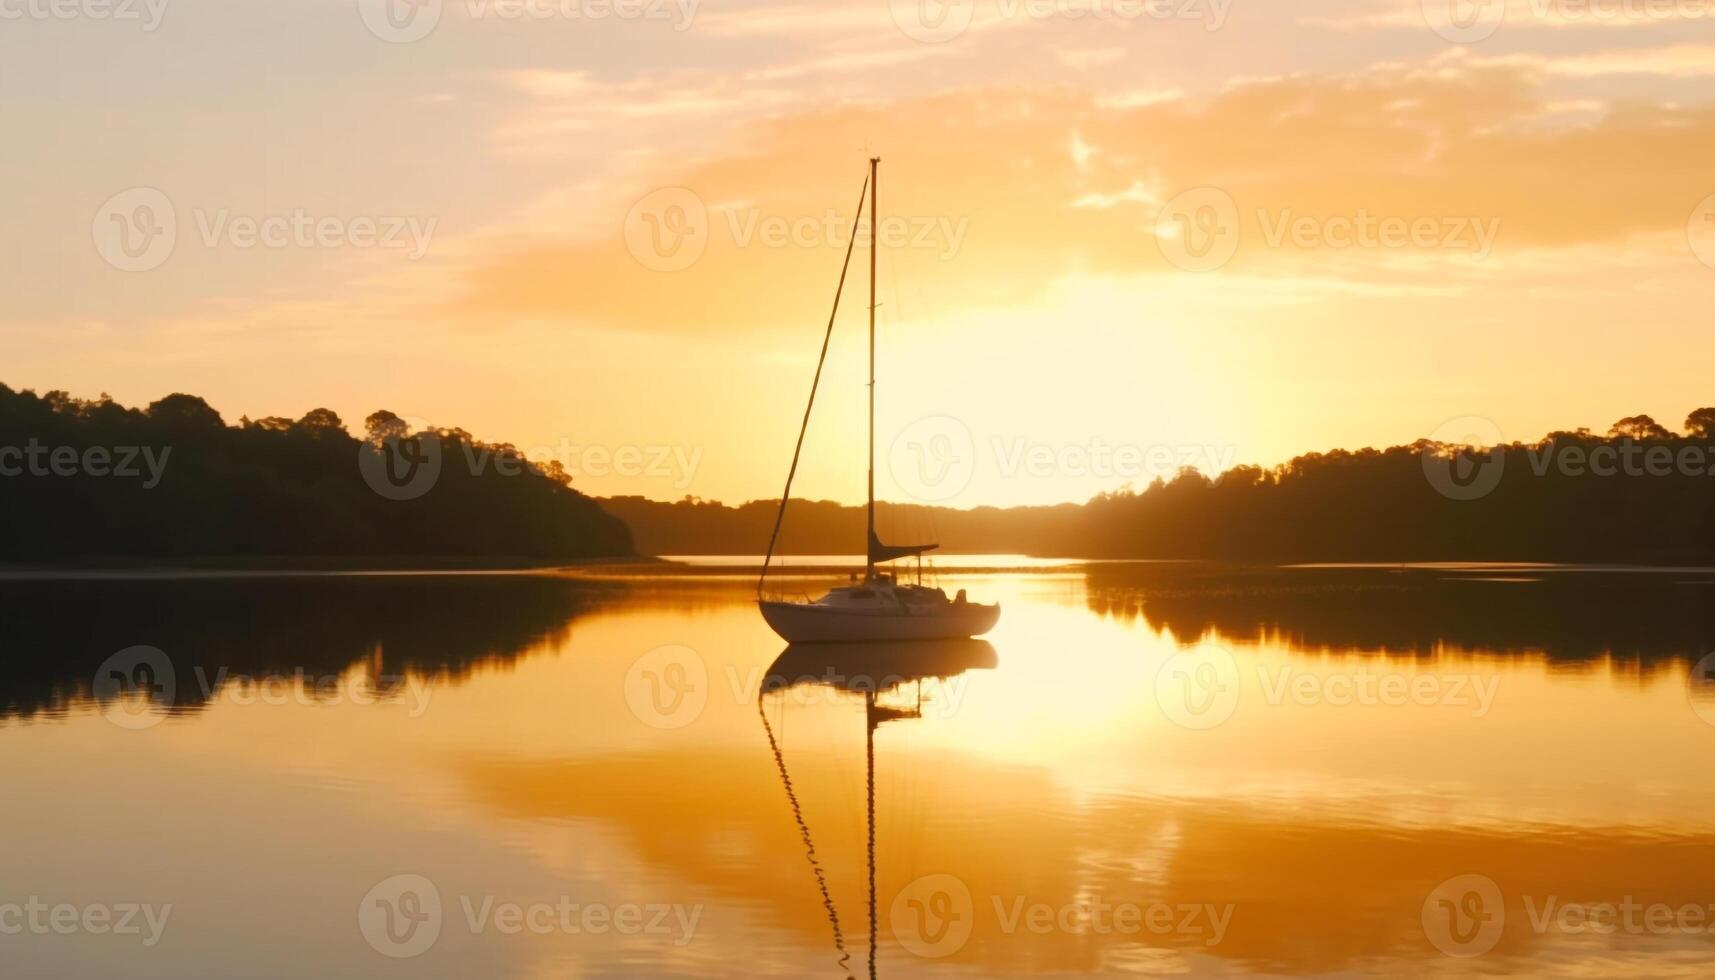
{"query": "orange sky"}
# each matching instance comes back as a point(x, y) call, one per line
point(1153, 234)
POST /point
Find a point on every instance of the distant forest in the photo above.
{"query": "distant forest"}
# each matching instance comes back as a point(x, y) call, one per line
point(823, 527)
point(1639, 493)
point(94, 480)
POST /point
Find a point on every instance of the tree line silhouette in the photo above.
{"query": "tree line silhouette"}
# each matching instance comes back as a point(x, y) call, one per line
point(692, 526)
point(275, 488)
point(270, 487)
point(1542, 501)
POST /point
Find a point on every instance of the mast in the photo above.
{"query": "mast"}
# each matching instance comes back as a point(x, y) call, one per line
point(869, 552)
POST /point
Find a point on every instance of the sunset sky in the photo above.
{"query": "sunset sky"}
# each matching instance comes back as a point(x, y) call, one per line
point(1096, 209)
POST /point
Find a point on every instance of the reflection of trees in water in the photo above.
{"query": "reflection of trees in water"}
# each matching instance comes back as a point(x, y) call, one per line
point(55, 635)
point(1655, 619)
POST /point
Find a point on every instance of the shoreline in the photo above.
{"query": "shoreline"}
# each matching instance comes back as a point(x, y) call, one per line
point(311, 565)
point(747, 566)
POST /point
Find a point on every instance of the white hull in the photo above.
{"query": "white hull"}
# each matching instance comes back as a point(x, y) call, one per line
point(801, 622)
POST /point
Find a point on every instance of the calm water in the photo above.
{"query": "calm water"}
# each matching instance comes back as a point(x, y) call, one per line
point(1160, 769)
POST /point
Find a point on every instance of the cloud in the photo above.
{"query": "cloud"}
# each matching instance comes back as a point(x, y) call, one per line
point(1672, 61)
point(1521, 15)
point(1459, 140)
point(1090, 57)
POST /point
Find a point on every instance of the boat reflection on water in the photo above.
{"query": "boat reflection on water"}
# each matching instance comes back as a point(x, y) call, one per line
point(873, 671)
point(860, 668)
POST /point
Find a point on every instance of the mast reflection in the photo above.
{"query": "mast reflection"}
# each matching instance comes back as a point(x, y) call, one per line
point(872, 671)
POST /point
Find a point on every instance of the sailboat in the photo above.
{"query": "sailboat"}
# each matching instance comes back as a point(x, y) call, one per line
point(880, 607)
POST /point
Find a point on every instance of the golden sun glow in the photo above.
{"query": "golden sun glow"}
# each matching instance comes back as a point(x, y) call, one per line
point(1429, 229)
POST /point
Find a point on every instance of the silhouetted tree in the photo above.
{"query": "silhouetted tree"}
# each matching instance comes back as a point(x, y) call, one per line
point(194, 486)
point(1548, 504)
point(1701, 423)
point(1639, 427)
point(320, 420)
point(384, 425)
point(184, 412)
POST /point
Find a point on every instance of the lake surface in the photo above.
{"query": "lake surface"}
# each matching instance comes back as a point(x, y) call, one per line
point(1153, 769)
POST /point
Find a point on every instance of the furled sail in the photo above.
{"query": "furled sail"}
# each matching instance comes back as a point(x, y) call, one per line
point(879, 552)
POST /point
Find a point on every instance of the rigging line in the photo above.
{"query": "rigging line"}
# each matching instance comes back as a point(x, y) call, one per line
point(810, 846)
point(786, 495)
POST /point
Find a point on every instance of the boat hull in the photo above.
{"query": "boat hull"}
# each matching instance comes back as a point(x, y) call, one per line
point(860, 668)
point(798, 622)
